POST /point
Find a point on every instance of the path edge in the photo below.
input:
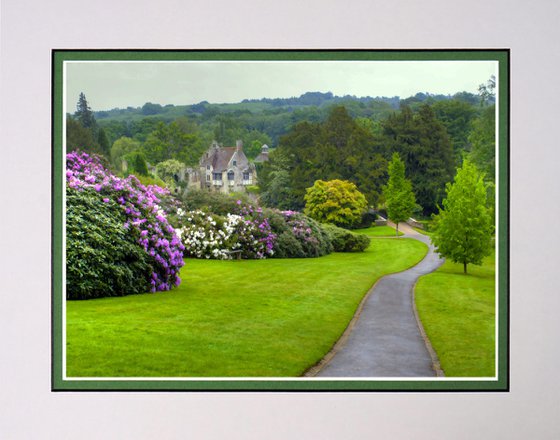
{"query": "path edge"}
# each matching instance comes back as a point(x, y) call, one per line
point(341, 341)
point(436, 365)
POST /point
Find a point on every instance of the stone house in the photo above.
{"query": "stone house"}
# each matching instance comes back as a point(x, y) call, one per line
point(224, 169)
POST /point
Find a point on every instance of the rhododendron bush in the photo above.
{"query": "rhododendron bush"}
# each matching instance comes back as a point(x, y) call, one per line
point(207, 235)
point(132, 215)
point(298, 235)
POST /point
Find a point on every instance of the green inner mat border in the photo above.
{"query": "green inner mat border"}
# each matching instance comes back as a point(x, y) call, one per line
point(501, 383)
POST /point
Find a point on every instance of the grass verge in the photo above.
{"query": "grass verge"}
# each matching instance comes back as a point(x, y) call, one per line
point(254, 318)
point(378, 231)
point(458, 314)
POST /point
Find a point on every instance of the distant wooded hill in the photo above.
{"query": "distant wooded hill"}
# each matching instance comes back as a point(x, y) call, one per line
point(271, 117)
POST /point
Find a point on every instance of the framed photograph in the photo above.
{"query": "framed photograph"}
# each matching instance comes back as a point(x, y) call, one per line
point(280, 220)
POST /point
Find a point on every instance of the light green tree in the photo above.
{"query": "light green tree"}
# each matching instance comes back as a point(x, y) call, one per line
point(335, 201)
point(483, 141)
point(399, 198)
point(169, 171)
point(121, 147)
point(463, 228)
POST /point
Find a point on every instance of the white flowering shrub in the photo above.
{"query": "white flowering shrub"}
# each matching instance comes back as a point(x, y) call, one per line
point(215, 237)
point(207, 235)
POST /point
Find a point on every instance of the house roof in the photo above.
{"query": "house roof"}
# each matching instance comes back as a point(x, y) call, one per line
point(220, 157)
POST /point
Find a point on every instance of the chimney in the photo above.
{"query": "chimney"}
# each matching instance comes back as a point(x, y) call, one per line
point(239, 145)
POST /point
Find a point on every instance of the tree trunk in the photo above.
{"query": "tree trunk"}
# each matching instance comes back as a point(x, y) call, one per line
point(397, 230)
point(465, 268)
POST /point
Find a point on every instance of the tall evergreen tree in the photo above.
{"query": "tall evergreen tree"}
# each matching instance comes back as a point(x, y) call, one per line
point(399, 197)
point(463, 228)
point(423, 144)
point(84, 115)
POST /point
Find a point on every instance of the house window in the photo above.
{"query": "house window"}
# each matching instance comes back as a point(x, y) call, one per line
point(230, 175)
point(217, 176)
point(208, 177)
point(246, 175)
point(207, 167)
point(234, 163)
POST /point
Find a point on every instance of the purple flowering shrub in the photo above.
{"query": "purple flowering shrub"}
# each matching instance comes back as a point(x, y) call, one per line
point(298, 236)
point(144, 218)
point(102, 258)
point(254, 233)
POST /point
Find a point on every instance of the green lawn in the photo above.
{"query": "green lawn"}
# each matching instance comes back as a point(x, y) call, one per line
point(377, 231)
point(231, 318)
point(421, 231)
point(458, 314)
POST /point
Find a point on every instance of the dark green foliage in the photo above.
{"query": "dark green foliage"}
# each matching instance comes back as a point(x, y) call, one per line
point(288, 246)
point(136, 163)
point(297, 236)
point(368, 218)
point(151, 109)
point(102, 257)
point(344, 240)
point(276, 220)
point(82, 132)
point(103, 143)
point(457, 117)
point(214, 202)
point(80, 138)
point(423, 144)
point(483, 140)
point(338, 148)
point(84, 115)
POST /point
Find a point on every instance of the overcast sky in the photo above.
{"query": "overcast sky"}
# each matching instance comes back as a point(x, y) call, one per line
point(121, 84)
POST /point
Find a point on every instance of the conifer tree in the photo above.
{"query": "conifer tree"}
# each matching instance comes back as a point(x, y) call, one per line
point(463, 228)
point(84, 114)
point(398, 193)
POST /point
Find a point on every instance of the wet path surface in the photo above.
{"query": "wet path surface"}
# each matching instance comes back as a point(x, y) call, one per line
point(385, 341)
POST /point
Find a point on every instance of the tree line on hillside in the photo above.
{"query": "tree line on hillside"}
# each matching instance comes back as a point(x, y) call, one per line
point(346, 149)
point(270, 117)
point(352, 142)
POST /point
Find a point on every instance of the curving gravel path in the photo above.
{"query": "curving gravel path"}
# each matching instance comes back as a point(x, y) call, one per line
point(385, 340)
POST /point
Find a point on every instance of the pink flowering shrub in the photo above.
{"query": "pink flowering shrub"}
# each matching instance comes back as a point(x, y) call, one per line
point(254, 233)
point(144, 218)
point(297, 236)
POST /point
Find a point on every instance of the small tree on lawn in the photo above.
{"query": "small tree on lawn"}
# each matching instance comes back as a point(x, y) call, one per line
point(463, 228)
point(398, 193)
point(336, 201)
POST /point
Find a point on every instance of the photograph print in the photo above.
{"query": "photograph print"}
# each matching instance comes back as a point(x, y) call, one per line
point(280, 220)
